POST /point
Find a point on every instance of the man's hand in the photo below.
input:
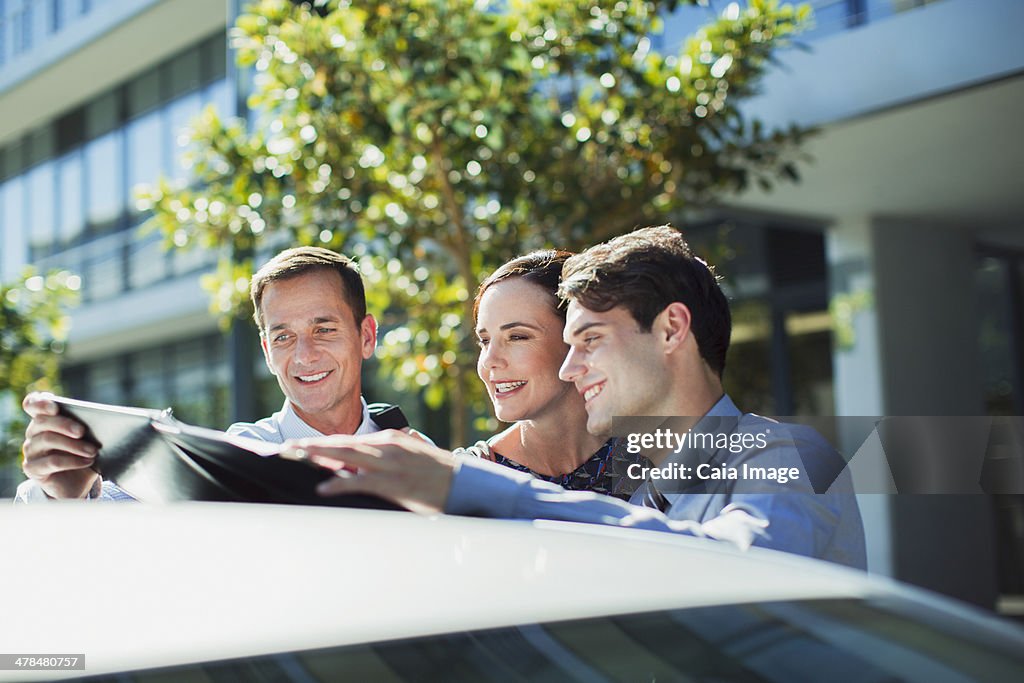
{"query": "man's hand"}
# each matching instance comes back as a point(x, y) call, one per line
point(56, 455)
point(736, 524)
point(399, 467)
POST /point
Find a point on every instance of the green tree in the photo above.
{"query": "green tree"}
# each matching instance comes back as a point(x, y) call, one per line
point(435, 139)
point(33, 328)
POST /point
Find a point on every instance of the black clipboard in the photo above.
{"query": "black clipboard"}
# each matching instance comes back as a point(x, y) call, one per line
point(157, 458)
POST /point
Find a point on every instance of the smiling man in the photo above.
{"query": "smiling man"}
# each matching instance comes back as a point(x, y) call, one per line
point(310, 308)
point(648, 329)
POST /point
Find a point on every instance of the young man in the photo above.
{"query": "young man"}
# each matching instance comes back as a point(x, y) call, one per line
point(648, 329)
point(310, 308)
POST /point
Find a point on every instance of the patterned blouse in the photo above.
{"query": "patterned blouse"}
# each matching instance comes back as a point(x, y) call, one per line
point(596, 474)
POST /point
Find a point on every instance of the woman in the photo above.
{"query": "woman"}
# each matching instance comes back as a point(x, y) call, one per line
point(519, 323)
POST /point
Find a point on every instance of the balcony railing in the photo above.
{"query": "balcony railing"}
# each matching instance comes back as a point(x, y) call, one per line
point(833, 16)
point(27, 24)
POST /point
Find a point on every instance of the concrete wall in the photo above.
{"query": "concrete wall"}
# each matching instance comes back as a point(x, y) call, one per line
point(926, 299)
point(915, 353)
point(920, 53)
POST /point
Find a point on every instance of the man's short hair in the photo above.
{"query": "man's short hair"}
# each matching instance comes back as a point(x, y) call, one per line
point(645, 271)
point(301, 260)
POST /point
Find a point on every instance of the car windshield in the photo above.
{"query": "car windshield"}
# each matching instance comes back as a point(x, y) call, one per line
point(836, 640)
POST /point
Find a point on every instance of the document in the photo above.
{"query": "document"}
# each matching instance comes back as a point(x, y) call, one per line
point(157, 458)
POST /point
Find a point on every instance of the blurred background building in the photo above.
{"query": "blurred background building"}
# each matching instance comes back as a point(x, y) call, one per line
point(908, 223)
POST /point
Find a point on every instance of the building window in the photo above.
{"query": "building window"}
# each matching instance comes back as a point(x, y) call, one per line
point(71, 201)
point(999, 291)
point(780, 356)
point(70, 130)
point(41, 184)
point(190, 376)
point(215, 56)
point(145, 152)
point(12, 218)
point(103, 271)
point(104, 162)
point(104, 171)
point(58, 15)
point(74, 179)
point(143, 93)
point(180, 114)
point(105, 380)
point(999, 279)
point(21, 28)
point(3, 31)
point(185, 73)
point(147, 260)
point(221, 95)
point(149, 379)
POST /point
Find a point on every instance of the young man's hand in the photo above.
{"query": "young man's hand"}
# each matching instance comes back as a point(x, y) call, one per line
point(394, 465)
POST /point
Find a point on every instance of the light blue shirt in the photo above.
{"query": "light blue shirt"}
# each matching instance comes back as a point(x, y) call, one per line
point(825, 525)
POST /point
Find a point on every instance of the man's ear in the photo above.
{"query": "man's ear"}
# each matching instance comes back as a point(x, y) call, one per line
point(368, 336)
point(672, 326)
point(266, 353)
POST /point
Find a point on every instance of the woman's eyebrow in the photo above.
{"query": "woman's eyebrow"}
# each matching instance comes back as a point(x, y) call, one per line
point(508, 326)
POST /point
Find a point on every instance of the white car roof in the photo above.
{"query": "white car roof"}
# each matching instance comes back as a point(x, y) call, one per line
point(137, 586)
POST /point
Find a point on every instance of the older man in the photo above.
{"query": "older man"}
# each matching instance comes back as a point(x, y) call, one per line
point(310, 308)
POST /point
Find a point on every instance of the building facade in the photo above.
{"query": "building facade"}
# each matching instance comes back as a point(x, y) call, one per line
point(95, 96)
point(915, 189)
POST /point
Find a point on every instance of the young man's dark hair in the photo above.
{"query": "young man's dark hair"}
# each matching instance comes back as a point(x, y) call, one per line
point(542, 267)
point(300, 260)
point(645, 271)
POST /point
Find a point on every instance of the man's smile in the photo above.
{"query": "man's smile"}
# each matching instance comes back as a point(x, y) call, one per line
point(592, 391)
point(311, 379)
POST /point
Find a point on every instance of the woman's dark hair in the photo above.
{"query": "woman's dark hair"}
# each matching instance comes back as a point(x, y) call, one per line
point(542, 268)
